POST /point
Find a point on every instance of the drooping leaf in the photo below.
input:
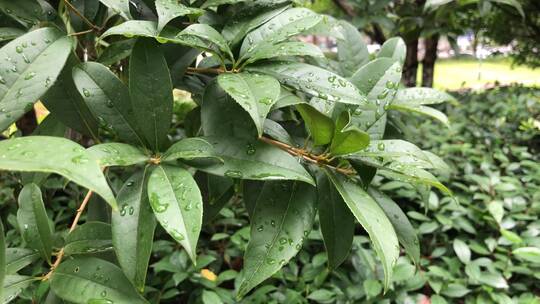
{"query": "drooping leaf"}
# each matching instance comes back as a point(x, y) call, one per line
point(411, 174)
point(282, 219)
point(423, 110)
point(252, 159)
point(133, 228)
point(177, 204)
point(352, 51)
point(405, 231)
point(133, 28)
point(117, 154)
point(254, 92)
point(40, 153)
point(284, 49)
point(188, 149)
point(167, 10)
point(421, 96)
point(14, 285)
point(394, 48)
point(33, 221)
point(336, 220)
point(94, 280)
point(18, 258)
point(289, 23)
point(373, 219)
point(320, 126)
point(35, 61)
point(68, 106)
point(312, 80)
point(150, 89)
point(347, 137)
point(108, 99)
point(206, 33)
point(91, 237)
point(120, 7)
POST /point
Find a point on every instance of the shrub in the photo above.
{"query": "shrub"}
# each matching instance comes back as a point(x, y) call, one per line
point(275, 124)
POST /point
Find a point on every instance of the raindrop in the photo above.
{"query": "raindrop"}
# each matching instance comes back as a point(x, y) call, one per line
point(80, 159)
point(233, 174)
point(29, 76)
point(260, 228)
point(380, 146)
point(19, 49)
point(250, 149)
point(86, 92)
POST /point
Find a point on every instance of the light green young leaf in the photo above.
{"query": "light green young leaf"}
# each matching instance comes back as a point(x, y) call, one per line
point(117, 154)
point(133, 228)
point(33, 221)
point(177, 204)
point(282, 218)
point(423, 110)
point(404, 230)
point(287, 24)
point(91, 237)
point(347, 137)
point(120, 7)
point(394, 48)
point(82, 280)
point(30, 65)
point(336, 220)
point(253, 159)
point(41, 154)
point(167, 10)
point(312, 80)
point(108, 99)
point(254, 92)
point(150, 89)
point(320, 126)
point(373, 219)
point(529, 254)
point(421, 96)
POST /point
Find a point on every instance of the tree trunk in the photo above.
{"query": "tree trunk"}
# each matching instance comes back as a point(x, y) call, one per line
point(428, 64)
point(410, 67)
point(27, 123)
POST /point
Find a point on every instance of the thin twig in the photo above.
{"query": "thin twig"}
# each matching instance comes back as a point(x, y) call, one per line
point(71, 7)
point(81, 33)
point(205, 70)
point(60, 254)
point(319, 160)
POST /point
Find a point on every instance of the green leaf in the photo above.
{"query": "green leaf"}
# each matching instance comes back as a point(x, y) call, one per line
point(10, 33)
point(336, 220)
point(150, 89)
point(87, 8)
point(252, 159)
point(373, 219)
point(133, 28)
point(215, 3)
point(423, 110)
point(167, 10)
point(320, 126)
point(177, 204)
point(282, 219)
point(33, 221)
point(116, 51)
point(117, 154)
point(18, 258)
point(210, 297)
point(286, 98)
point(14, 285)
point(41, 154)
point(421, 96)
point(394, 48)
point(347, 137)
point(277, 132)
point(462, 251)
point(206, 33)
point(27, 12)
point(312, 80)
point(372, 288)
point(35, 61)
point(91, 237)
point(514, 3)
point(529, 254)
point(253, 92)
point(133, 228)
point(287, 24)
point(93, 280)
point(404, 230)
point(455, 290)
point(120, 7)
point(216, 192)
point(108, 99)
point(411, 174)
point(65, 102)
point(3, 260)
point(352, 51)
point(379, 80)
point(193, 148)
point(284, 49)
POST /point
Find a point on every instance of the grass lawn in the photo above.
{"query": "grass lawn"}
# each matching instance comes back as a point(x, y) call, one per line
point(452, 74)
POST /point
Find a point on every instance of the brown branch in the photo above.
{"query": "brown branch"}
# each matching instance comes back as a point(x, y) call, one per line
point(60, 254)
point(319, 160)
point(71, 7)
point(81, 33)
point(205, 70)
